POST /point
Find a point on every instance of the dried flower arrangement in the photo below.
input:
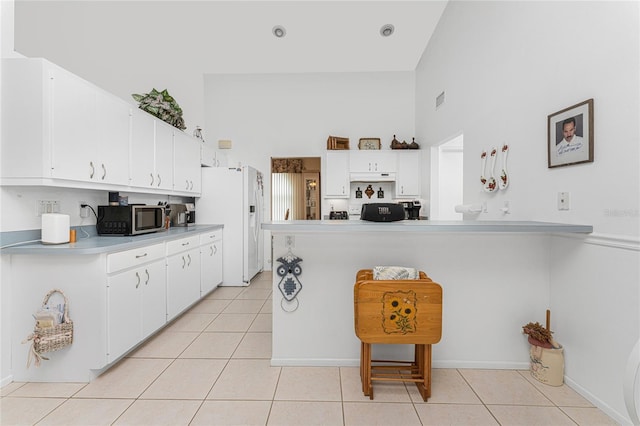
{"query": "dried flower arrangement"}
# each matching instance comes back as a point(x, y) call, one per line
point(538, 335)
point(161, 105)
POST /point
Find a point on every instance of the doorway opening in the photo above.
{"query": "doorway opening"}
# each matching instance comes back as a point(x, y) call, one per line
point(447, 179)
point(295, 188)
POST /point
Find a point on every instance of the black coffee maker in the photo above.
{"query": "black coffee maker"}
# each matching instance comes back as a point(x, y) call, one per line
point(411, 209)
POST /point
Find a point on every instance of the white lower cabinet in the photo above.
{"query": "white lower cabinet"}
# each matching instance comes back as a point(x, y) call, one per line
point(117, 299)
point(136, 297)
point(183, 274)
point(211, 261)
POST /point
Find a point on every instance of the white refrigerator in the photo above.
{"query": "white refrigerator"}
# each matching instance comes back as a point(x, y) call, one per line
point(234, 198)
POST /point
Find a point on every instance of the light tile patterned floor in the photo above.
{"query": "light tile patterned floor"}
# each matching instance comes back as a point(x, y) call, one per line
point(211, 367)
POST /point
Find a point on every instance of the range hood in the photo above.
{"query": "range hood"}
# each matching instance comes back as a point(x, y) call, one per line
point(372, 177)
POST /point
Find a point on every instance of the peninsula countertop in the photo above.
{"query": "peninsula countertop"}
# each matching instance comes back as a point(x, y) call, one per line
point(424, 226)
point(103, 244)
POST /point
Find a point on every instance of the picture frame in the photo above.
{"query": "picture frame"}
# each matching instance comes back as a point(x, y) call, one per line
point(369, 143)
point(570, 135)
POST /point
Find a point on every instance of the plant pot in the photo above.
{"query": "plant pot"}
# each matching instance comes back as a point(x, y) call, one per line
point(547, 364)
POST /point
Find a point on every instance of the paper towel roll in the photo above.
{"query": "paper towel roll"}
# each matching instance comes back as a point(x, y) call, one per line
point(468, 208)
point(55, 228)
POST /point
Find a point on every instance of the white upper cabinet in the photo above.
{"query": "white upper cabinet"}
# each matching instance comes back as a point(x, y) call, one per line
point(164, 156)
point(61, 130)
point(143, 169)
point(151, 153)
point(337, 174)
point(372, 161)
point(112, 150)
point(408, 176)
point(59, 126)
point(186, 163)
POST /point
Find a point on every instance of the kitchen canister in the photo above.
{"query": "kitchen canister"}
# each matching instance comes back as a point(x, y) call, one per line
point(55, 228)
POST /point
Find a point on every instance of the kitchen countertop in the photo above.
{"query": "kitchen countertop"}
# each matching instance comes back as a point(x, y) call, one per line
point(103, 244)
point(424, 226)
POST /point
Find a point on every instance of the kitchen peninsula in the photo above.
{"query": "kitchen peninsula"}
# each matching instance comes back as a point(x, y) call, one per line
point(494, 275)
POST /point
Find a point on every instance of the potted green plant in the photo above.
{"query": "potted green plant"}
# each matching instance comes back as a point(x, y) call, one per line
point(161, 105)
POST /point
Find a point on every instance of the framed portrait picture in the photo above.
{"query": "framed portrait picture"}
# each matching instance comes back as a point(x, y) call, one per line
point(570, 135)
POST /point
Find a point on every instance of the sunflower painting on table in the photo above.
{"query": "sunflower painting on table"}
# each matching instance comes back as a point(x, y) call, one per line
point(399, 312)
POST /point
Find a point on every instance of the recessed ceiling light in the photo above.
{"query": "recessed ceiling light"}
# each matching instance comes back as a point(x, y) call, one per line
point(387, 30)
point(279, 31)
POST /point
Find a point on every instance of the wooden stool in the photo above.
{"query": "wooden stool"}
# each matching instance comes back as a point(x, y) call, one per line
point(397, 312)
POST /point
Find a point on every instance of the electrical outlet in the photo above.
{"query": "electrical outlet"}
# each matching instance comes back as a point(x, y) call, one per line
point(289, 241)
point(84, 211)
point(563, 201)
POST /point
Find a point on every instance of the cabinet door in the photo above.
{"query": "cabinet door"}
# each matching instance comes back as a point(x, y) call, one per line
point(372, 161)
point(408, 177)
point(337, 175)
point(163, 156)
point(154, 297)
point(124, 319)
point(211, 266)
point(142, 163)
point(112, 149)
point(186, 157)
point(183, 281)
point(74, 127)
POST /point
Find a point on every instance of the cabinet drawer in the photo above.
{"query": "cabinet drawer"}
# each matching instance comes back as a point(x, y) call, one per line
point(209, 237)
point(127, 259)
point(182, 244)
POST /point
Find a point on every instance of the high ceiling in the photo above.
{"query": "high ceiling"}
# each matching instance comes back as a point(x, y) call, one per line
point(229, 36)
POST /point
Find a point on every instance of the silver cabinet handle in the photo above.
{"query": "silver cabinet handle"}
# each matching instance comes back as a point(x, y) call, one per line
point(215, 248)
point(151, 178)
point(148, 277)
point(211, 247)
point(185, 244)
point(141, 255)
point(159, 179)
point(189, 256)
point(187, 187)
point(138, 277)
point(104, 171)
point(191, 185)
point(93, 169)
point(184, 262)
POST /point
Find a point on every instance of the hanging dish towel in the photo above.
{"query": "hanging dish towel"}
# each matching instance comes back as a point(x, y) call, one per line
point(395, 273)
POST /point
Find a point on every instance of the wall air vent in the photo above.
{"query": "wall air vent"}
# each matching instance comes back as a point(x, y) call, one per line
point(439, 100)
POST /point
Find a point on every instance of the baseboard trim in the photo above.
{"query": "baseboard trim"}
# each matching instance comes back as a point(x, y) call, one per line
point(598, 403)
point(6, 380)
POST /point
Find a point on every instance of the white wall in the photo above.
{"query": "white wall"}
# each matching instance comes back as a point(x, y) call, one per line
point(289, 115)
point(504, 67)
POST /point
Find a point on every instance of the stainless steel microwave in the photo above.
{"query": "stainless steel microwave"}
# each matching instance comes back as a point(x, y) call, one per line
point(133, 219)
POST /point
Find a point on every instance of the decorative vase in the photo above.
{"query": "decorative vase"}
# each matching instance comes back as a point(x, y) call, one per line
point(547, 365)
